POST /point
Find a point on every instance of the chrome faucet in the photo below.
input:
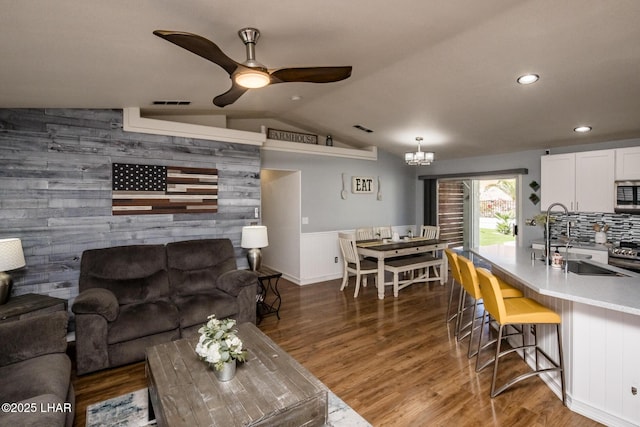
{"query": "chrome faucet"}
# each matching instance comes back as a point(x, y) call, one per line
point(566, 251)
point(547, 242)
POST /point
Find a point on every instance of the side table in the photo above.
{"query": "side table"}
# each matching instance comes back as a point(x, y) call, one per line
point(29, 305)
point(268, 298)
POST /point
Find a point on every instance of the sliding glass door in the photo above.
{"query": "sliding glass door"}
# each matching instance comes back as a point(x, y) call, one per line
point(495, 212)
point(477, 212)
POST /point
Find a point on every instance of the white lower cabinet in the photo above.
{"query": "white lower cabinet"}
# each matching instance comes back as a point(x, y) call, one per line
point(604, 368)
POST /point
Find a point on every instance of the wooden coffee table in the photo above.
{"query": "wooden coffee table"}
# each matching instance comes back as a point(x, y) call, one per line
point(270, 388)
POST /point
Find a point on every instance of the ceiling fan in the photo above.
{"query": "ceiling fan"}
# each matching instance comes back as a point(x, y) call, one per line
point(250, 74)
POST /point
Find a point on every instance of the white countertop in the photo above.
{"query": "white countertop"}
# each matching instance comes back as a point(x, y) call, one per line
point(610, 292)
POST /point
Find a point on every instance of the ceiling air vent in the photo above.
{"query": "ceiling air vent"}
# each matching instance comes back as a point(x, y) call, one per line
point(362, 128)
point(171, 102)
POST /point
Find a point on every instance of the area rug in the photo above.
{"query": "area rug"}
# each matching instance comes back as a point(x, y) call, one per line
point(132, 410)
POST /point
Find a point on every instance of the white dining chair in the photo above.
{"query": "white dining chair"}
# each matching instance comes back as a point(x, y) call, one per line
point(383, 232)
point(430, 231)
point(365, 233)
point(353, 264)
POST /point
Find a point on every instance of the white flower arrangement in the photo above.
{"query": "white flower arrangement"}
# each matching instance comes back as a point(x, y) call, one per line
point(219, 343)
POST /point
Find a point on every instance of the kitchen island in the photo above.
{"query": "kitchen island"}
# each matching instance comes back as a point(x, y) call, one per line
point(601, 331)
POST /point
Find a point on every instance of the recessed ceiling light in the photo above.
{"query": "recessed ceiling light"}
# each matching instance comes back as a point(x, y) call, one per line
point(527, 79)
point(582, 129)
point(296, 98)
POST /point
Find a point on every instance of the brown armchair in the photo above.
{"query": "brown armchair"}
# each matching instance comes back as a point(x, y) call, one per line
point(35, 371)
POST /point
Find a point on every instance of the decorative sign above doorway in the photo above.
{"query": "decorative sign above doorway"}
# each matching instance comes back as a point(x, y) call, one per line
point(285, 135)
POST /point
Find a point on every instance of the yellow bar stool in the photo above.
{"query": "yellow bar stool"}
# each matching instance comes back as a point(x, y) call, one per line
point(452, 258)
point(517, 311)
point(469, 278)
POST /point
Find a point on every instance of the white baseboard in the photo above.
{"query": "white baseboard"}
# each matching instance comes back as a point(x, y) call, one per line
point(599, 415)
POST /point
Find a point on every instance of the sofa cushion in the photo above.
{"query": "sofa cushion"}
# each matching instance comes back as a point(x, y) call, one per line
point(126, 352)
point(139, 267)
point(129, 291)
point(194, 309)
point(139, 320)
point(48, 374)
point(194, 265)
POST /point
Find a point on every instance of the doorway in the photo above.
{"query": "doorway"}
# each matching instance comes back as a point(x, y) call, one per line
point(474, 212)
point(281, 207)
point(495, 211)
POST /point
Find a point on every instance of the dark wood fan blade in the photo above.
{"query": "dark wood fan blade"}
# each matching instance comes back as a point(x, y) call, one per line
point(200, 46)
point(230, 96)
point(311, 74)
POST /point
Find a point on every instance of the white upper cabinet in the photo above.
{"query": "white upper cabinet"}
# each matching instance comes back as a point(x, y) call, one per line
point(627, 163)
point(580, 181)
point(557, 180)
point(594, 181)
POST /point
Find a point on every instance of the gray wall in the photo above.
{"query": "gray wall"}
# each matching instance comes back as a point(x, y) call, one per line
point(322, 185)
point(55, 190)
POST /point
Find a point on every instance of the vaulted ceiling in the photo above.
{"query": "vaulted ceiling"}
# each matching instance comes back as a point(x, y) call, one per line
point(444, 70)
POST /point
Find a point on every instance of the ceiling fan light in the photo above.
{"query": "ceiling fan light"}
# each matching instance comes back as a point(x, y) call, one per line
point(252, 79)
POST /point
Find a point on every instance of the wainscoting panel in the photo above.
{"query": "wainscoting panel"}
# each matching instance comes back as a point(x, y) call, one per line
point(317, 257)
point(55, 190)
point(318, 252)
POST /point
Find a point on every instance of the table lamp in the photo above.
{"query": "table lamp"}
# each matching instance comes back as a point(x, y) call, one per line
point(11, 258)
point(254, 237)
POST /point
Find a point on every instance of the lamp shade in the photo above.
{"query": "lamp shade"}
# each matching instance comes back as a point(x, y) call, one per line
point(11, 255)
point(254, 236)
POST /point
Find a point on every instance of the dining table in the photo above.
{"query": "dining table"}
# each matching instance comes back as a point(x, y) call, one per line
point(382, 249)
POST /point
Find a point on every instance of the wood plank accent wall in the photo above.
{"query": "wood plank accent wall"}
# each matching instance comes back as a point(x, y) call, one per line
point(55, 190)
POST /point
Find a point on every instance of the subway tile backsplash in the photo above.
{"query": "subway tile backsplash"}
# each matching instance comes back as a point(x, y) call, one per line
point(625, 227)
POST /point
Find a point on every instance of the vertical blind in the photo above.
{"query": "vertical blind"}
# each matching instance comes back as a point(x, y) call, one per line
point(451, 211)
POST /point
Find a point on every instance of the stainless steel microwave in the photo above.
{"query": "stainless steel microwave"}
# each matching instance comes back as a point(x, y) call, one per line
point(627, 196)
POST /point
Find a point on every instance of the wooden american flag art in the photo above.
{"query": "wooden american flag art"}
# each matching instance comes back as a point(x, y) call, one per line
point(149, 189)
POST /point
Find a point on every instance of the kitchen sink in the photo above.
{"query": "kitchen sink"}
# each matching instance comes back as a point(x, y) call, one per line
point(588, 269)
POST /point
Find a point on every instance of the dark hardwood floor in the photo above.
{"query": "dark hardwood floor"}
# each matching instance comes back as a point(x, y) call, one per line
point(394, 361)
